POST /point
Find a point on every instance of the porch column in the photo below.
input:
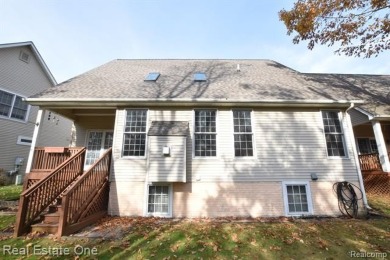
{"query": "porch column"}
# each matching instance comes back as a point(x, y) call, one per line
point(380, 142)
point(37, 126)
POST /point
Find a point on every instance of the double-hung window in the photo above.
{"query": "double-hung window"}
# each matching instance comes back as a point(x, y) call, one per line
point(13, 106)
point(334, 135)
point(134, 140)
point(243, 135)
point(205, 133)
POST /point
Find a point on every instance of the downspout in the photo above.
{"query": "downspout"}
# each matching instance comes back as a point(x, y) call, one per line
point(360, 176)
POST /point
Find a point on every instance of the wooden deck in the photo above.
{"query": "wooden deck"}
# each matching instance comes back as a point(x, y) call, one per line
point(370, 162)
point(60, 194)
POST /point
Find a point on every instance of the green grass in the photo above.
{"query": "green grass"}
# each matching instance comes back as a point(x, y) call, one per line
point(205, 239)
point(10, 192)
point(380, 203)
point(6, 222)
point(151, 238)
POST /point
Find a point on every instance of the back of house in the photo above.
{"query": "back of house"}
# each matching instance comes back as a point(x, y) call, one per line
point(212, 138)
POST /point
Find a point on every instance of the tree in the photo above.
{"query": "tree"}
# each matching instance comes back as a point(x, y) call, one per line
point(361, 28)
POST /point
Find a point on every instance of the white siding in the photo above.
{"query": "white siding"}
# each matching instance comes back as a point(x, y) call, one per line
point(290, 145)
point(24, 79)
point(170, 168)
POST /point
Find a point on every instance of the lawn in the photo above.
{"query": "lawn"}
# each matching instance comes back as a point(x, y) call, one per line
point(10, 192)
point(153, 238)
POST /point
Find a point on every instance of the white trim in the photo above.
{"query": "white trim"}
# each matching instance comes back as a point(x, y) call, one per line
point(308, 194)
point(355, 154)
point(104, 132)
point(146, 135)
point(216, 134)
point(170, 200)
point(345, 146)
point(381, 144)
point(23, 97)
point(364, 112)
point(254, 156)
point(19, 141)
point(37, 125)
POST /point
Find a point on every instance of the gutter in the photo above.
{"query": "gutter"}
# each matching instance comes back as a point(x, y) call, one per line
point(360, 175)
point(194, 102)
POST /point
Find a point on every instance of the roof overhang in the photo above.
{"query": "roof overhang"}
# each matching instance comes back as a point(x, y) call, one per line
point(109, 103)
point(371, 116)
point(37, 55)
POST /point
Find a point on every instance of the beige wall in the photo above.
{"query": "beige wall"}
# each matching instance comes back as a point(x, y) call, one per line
point(366, 130)
point(205, 199)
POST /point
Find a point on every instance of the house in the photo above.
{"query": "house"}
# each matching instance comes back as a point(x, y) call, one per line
point(23, 73)
point(203, 138)
point(371, 122)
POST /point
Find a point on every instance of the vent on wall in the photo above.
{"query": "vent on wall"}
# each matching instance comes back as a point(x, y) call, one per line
point(24, 57)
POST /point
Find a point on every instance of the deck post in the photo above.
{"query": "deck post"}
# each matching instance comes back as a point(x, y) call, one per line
point(381, 144)
point(37, 126)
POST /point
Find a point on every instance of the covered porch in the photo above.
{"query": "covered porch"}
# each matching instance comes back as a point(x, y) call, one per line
point(372, 137)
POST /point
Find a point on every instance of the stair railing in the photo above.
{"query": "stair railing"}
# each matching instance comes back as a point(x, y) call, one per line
point(86, 200)
point(38, 197)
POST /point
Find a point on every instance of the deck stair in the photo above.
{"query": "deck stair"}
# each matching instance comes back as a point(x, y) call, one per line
point(66, 199)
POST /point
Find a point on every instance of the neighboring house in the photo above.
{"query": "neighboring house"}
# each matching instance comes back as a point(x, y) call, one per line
point(213, 138)
point(24, 73)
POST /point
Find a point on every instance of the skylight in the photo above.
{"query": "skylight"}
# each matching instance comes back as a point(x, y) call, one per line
point(200, 76)
point(152, 76)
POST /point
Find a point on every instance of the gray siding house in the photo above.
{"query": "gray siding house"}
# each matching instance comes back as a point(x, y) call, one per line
point(213, 138)
point(23, 73)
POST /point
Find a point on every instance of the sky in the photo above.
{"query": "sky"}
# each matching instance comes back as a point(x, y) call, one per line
point(74, 36)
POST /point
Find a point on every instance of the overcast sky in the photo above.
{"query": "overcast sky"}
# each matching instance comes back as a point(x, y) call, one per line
point(74, 36)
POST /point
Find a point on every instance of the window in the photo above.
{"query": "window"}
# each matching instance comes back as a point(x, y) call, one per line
point(333, 133)
point(297, 198)
point(153, 76)
point(24, 140)
point(205, 133)
point(367, 145)
point(159, 200)
point(134, 143)
point(13, 106)
point(243, 144)
point(200, 76)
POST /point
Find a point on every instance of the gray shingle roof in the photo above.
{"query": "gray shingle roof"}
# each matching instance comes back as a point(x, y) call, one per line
point(169, 128)
point(257, 80)
point(374, 90)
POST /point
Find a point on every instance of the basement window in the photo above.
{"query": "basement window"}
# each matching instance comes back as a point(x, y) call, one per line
point(297, 198)
point(200, 77)
point(153, 76)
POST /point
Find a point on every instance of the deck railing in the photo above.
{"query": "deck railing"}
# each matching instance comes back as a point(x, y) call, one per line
point(38, 197)
point(370, 162)
point(87, 199)
point(48, 158)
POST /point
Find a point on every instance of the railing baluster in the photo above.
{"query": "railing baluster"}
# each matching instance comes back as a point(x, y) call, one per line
point(82, 193)
point(38, 197)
